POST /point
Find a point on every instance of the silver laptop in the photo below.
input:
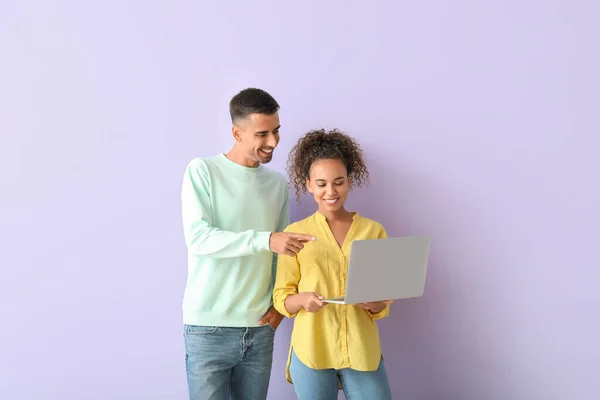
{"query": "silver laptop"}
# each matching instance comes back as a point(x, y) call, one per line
point(386, 269)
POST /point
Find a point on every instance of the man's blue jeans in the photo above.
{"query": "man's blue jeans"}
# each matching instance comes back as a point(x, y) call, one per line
point(228, 361)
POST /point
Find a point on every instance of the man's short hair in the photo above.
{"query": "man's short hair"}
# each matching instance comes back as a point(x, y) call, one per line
point(252, 101)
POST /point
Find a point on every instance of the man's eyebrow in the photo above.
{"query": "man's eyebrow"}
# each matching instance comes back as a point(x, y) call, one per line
point(268, 131)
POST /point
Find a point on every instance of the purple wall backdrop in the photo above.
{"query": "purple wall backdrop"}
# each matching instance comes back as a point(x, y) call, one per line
point(480, 120)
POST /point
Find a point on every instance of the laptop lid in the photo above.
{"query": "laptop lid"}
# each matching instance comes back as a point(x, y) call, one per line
point(387, 269)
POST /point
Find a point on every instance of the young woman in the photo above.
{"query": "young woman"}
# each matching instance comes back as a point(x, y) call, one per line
point(333, 346)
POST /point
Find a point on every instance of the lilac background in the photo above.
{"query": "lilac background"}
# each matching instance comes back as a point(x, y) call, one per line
point(480, 120)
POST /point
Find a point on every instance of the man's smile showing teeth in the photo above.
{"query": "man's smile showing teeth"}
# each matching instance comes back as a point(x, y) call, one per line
point(331, 201)
point(267, 151)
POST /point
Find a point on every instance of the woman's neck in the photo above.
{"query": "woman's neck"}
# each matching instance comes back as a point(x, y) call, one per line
point(338, 215)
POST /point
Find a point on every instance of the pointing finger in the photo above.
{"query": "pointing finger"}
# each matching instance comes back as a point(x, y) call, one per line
point(303, 237)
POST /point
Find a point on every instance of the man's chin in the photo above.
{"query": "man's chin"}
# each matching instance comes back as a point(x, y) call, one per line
point(265, 160)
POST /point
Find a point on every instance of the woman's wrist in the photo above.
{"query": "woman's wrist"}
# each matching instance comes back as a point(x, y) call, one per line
point(292, 303)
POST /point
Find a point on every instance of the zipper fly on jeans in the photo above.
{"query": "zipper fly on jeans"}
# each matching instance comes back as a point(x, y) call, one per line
point(246, 343)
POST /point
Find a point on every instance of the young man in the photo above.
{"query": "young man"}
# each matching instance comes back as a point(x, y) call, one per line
point(234, 212)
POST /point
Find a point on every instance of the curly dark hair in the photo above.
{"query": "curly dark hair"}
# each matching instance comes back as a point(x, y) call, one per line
point(322, 145)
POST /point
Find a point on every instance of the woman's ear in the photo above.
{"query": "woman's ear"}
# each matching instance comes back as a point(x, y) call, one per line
point(308, 186)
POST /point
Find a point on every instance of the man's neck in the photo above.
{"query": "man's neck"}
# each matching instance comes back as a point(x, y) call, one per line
point(241, 159)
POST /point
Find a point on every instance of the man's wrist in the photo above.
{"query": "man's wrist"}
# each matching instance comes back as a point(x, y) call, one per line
point(262, 241)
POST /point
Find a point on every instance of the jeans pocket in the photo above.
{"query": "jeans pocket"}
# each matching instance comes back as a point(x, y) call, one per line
point(199, 330)
point(271, 326)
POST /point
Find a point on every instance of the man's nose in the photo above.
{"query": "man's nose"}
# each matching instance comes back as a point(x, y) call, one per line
point(272, 141)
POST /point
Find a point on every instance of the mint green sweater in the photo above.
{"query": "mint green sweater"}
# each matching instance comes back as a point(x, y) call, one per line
point(229, 212)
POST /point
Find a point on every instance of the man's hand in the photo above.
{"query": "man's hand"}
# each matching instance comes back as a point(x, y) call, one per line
point(311, 301)
point(272, 317)
point(376, 306)
point(288, 243)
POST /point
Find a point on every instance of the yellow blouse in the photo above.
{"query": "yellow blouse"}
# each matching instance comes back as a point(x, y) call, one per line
point(338, 336)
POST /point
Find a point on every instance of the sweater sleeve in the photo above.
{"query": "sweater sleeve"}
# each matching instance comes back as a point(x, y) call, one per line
point(283, 222)
point(201, 237)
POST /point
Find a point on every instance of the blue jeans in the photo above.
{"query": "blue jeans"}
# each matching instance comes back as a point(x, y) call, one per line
point(228, 361)
point(314, 384)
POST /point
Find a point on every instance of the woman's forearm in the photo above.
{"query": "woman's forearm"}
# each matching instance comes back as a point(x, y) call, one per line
point(293, 304)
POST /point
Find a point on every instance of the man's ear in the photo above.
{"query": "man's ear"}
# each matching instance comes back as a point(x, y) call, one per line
point(236, 131)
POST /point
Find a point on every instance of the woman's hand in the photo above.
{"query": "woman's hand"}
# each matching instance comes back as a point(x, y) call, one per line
point(376, 306)
point(310, 301)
